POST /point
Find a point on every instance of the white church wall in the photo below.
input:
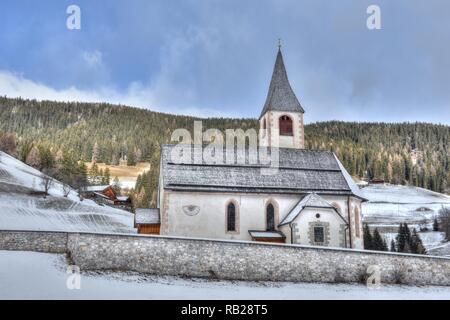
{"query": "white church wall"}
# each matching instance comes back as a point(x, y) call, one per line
point(210, 221)
point(334, 227)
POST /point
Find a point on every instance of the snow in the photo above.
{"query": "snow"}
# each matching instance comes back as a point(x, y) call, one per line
point(402, 194)
point(147, 216)
point(351, 183)
point(31, 275)
point(441, 250)
point(127, 183)
point(390, 205)
point(265, 234)
point(430, 239)
point(22, 207)
point(310, 200)
point(97, 188)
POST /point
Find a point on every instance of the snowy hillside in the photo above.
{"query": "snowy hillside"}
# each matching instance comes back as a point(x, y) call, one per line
point(390, 205)
point(22, 207)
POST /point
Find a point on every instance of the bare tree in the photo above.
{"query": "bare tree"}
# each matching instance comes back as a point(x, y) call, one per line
point(46, 183)
point(66, 189)
point(444, 220)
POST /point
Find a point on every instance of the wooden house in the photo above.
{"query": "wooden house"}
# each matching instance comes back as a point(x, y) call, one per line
point(105, 194)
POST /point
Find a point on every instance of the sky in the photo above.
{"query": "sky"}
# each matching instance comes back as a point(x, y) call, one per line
point(215, 57)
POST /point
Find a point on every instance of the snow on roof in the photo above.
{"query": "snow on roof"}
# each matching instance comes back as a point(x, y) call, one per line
point(311, 200)
point(97, 188)
point(147, 216)
point(299, 171)
point(101, 195)
point(266, 234)
point(351, 184)
point(123, 198)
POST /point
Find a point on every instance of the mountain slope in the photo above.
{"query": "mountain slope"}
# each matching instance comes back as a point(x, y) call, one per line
point(22, 206)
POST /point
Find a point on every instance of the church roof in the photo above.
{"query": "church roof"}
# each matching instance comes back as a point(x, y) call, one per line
point(299, 171)
point(281, 97)
point(311, 200)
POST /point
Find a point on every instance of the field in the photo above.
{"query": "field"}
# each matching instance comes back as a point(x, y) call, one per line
point(127, 175)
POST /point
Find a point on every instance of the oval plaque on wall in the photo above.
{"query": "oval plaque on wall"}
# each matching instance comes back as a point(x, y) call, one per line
point(191, 210)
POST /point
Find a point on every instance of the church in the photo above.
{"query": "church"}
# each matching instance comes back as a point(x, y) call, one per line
point(310, 200)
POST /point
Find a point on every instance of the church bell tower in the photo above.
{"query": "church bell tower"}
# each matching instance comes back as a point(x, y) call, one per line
point(281, 120)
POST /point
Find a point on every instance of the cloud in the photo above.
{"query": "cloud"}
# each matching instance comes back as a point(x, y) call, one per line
point(15, 85)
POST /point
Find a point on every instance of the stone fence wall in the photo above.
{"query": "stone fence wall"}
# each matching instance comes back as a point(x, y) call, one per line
point(236, 260)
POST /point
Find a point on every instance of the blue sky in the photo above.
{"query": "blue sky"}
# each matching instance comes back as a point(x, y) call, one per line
point(215, 58)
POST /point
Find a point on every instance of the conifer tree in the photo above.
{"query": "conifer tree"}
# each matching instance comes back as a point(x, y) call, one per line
point(416, 243)
point(435, 224)
point(385, 246)
point(400, 239)
point(378, 243)
point(131, 160)
point(107, 175)
point(368, 241)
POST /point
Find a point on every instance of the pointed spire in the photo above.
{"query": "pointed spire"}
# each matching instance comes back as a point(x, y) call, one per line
point(281, 97)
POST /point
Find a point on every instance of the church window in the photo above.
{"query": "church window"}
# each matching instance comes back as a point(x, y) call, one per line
point(318, 234)
point(264, 127)
point(318, 215)
point(357, 223)
point(231, 217)
point(286, 126)
point(270, 217)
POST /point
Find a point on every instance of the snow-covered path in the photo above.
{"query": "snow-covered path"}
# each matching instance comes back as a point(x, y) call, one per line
point(31, 275)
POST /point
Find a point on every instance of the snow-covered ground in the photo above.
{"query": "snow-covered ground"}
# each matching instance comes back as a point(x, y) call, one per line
point(31, 275)
point(390, 205)
point(393, 204)
point(440, 250)
point(22, 208)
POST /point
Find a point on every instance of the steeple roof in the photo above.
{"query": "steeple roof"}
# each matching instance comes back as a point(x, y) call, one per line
point(281, 97)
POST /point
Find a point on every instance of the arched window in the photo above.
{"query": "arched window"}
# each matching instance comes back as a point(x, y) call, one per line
point(286, 126)
point(270, 217)
point(357, 223)
point(264, 127)
point(231, 217)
